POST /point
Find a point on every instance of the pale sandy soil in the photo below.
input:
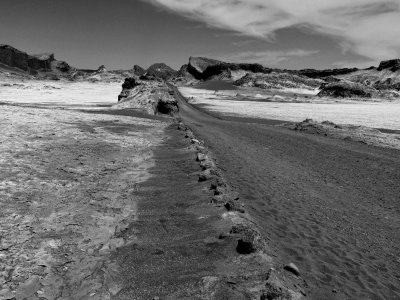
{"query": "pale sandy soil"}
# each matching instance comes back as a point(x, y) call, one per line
point(67, 189)
point(58, 93)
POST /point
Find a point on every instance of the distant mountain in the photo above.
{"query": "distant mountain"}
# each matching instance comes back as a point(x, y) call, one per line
point(161, 71)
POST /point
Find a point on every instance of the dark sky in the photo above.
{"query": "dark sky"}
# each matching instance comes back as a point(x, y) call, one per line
point(119, 34)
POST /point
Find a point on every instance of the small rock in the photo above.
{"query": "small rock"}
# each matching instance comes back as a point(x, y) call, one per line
point(205, 175)
point(206, 164)
point(222, 236)
point(195, 141)
point(232, 206)
point(201, 157)
point(189, 135)
point(292, 268)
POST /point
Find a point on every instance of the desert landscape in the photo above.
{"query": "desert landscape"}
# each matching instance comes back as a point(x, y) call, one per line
point(243, 175)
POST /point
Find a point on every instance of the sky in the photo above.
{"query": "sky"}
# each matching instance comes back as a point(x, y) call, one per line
point(290, 34)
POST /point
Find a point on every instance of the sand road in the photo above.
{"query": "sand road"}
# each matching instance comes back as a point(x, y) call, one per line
point(329, 206)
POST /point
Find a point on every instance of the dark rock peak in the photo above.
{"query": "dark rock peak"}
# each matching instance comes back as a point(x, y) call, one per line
point(160, 66)
point(101, 69)
point(392, 65)
point(138, 70)
point(201, 63)
point(161, 71)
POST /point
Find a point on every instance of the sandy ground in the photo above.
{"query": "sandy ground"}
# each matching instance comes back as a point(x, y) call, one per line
point(67, 189)
point(59, 93)
point(374, 114)
point(330, 206)
point(99, 203)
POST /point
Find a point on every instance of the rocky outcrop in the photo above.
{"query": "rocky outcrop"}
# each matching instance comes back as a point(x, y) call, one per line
point(151, 96)
point(203, 68)
point(347, 89)
point(161, 71)
point(278, 81)
point(40, 62)
point(138, 70)
point(391, 65)
point(13, 58)
point(198, 65)
point(101, 69)
point(312, 73)
point(42, 65)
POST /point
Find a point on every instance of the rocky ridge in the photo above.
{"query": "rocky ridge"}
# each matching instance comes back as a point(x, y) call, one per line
point(278, 81)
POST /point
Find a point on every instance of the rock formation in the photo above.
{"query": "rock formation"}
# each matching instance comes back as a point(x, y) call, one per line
point(161, 71)
point(138, 70)
point(204, 68)
point(391, 65)
point(347, 89)
point(32, 64)
point(151, 96)
point(312, 73)
point(278, 81)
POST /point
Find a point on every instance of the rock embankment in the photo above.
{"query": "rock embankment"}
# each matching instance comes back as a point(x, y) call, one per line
point(278, 81)
point(151, 96)
point(347, 89)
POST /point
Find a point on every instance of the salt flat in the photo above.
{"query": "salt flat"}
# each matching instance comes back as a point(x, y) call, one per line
point(384, 114)
point(55, 93)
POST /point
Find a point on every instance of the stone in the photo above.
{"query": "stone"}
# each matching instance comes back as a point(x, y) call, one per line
point(233, 206)
point(201, 157)
point(205, 175)
point(291, 267)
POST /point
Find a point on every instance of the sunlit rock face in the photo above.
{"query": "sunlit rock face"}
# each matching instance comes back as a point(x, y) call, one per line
point(152, 96)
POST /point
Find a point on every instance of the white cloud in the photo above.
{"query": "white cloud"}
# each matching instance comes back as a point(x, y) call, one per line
point(268, 58)
point(367, 27)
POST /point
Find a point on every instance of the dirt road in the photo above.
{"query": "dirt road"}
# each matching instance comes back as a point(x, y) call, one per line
point(330, 206)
